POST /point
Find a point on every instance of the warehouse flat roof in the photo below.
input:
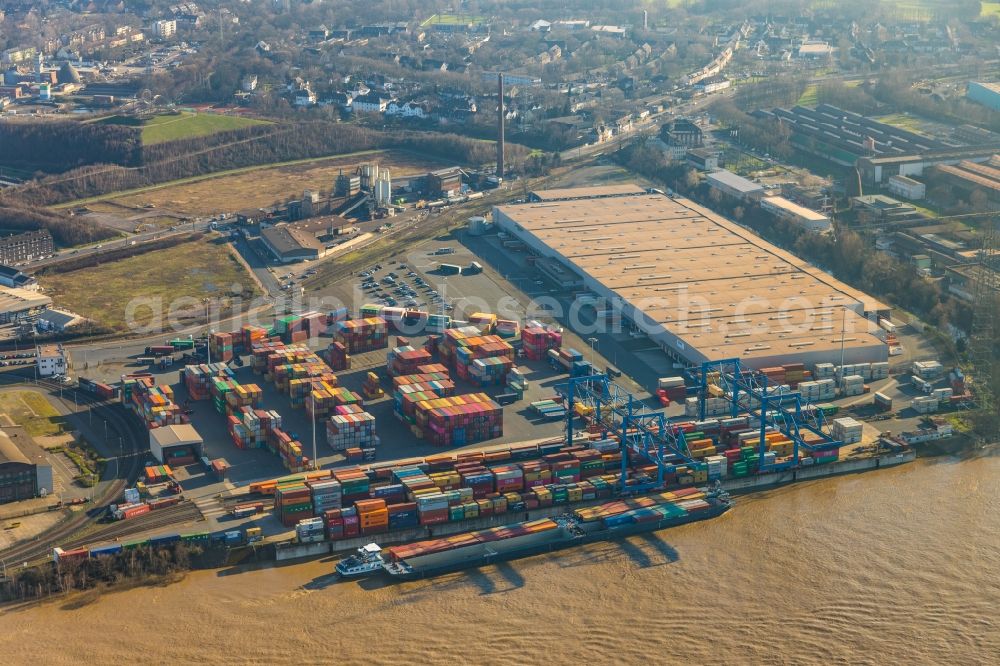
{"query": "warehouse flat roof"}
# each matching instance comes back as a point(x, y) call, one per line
point(16, 445)
point(716, 286)
point(285, 238)
point(906, 180)
point(795, 209)
point(738, 183)
point(174, 435)
point(561, 194)
point(19, 300)
point(970, 177)
point(991, 86)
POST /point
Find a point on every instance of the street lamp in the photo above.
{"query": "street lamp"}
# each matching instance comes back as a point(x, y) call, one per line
point(312, 400)
point(593, 349)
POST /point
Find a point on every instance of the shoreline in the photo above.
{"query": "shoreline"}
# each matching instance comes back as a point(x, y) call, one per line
point(332, 550)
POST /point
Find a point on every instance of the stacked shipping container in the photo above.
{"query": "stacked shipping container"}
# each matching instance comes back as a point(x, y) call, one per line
point(361, 335)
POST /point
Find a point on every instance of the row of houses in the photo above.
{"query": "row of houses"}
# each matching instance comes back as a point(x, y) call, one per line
point(440, 107)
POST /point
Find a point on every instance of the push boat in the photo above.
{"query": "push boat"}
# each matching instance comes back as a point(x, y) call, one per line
point(365, 562)
point(605, 522)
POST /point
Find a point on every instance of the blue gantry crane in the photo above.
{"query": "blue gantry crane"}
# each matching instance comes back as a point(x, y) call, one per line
point(643, 433)
point(747, 391)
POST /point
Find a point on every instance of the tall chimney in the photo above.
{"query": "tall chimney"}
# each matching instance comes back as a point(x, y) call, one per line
point(500, 125)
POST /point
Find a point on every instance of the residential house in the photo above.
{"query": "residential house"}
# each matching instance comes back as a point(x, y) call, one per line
point(303, 97)
point(406, 110)
point(370, 103)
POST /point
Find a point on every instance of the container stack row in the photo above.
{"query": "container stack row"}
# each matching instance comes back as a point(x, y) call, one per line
point(408, 320)
point(852, 385)
point(490, 371)
point(484, 321)
point(406, 360)
point(251, 428)
point(198, 378)
point(152, 403)
point(351, 428)
point(251, 335)
point(292, 502)
point(220, 346)
point(361, 335)
point(536, 341)
point(337, 357)
point(458, 420)
point(508, 329)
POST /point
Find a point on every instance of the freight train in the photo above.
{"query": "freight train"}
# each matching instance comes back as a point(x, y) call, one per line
point(229, 539)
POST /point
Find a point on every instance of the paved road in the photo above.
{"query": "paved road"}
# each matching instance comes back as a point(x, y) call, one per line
point(100, 248)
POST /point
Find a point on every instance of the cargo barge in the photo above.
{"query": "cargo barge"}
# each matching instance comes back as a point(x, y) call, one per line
point(604, 522)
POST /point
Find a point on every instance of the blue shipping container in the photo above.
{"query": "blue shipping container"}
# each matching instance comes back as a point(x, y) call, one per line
point(105, 550)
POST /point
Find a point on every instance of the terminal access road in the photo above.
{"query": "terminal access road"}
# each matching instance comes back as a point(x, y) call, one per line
point(132, 445)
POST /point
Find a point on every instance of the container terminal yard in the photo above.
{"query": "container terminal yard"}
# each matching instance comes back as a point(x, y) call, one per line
point(426, 425)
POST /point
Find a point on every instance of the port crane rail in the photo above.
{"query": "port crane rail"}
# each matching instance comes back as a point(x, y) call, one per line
point(788, 412)
point(644, 433)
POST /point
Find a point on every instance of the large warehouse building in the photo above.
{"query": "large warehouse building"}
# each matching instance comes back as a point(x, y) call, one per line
point(699, 285)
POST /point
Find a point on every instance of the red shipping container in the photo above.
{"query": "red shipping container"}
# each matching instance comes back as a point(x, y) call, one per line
point(434, 517)
point(134, 511)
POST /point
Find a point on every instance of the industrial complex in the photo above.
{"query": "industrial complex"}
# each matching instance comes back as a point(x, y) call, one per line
point(700, 286)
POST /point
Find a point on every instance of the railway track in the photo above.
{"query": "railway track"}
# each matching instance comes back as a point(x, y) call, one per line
point(184, 512)
point(133, 438)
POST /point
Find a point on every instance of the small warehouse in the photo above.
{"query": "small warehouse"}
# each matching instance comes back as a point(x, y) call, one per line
point(24, 470)
point(18, 305)
point(792, 212)
point(176, 445)
point(734, 186)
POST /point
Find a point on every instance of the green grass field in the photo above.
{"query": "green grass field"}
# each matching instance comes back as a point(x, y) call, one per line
point(901, 121)
point(808, 97)
point(194, 270)
point(32, 411)
point(187, 125)
point(453, 19)
point(925, 10)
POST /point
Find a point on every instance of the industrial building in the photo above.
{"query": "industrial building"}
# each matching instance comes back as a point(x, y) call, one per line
point(734, 186)
point(987, 94)
point(682, 132)
point(444, 182)
point(844, 136)
point(906, 187)
point(300, 241)
point(877, 170)
point(598, 192)
point(12, 277)
point(967, 177)
point(792, 212)
point(29, 246)
point(19, 305)
point(24, 470)
point(51, 360)
point(175, 441)
point(703, 159)
point(700, 286)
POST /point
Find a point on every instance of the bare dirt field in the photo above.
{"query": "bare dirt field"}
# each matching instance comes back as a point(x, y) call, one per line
point(266, 187)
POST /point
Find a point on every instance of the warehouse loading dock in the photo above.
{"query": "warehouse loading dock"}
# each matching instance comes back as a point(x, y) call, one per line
point(700, 286)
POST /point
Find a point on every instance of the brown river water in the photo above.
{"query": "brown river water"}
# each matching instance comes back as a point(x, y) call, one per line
point(899, 566)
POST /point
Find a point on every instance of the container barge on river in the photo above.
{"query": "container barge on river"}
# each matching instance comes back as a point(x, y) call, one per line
point(604, 522)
